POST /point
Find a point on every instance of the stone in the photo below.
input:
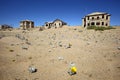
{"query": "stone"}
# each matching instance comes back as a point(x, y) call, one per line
point(25, 47)
point(118, 48)
point(60, 44)
point(60, 58)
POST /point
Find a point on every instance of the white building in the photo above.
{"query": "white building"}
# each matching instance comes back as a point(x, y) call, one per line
point(55, 24)
point(96, 19)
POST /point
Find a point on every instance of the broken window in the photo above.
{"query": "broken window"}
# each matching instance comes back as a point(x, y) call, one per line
point(88, 24)
point(106, 24)
point(106, 17)
point(98, 23)
point(102, 23)
point(88, 17)
point(59, 24)
point(46, 24)
point(102, 16)
point(92, 23)
point(84, 19)
point(97, 17)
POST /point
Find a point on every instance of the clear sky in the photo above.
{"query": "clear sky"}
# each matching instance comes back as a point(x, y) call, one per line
point(41, 11)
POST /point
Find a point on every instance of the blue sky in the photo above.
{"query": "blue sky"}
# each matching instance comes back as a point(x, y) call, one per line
point(41, 11)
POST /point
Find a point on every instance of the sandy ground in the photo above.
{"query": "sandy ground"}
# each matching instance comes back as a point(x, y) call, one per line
point(95, 54)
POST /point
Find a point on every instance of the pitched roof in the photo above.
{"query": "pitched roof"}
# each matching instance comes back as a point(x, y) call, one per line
point(57, 20)
point(97, 13)
point(26, 20)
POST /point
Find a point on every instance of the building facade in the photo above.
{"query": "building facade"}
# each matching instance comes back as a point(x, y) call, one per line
point(25, 24)
point(55, 24)
point(5, 26)
point(96, 19)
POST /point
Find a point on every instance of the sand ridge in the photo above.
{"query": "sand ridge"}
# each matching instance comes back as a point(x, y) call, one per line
point(95, 54)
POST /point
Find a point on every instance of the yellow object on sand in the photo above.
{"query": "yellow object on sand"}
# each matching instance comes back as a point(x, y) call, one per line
point(73, 69)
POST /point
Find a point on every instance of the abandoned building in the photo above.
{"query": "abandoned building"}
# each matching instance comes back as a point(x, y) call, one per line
point(5, 26)
point(55, 24)
point(96, 19)
point(25, 24)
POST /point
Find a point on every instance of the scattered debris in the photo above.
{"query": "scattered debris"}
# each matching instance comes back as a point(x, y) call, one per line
point(60, 58)
point(32, 69)
point(25, 47)
point(20, 37)
point(60, 44)
point(72, 70)
point(68, 46)
point(28, 43)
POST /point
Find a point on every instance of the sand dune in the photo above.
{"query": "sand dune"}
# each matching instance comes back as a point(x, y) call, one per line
point(95, 54)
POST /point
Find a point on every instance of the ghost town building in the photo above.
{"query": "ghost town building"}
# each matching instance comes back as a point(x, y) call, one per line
point(25, 24)
point(96, 19)
point(5, 26)
point(55, 24)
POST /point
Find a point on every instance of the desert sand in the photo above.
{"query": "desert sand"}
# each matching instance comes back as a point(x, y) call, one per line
point(96, 54)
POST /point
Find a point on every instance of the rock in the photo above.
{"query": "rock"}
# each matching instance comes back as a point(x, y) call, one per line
point(25, 47)
point(20, 37)
point(80, 31)
point(68, 46)
point(118, 48)
point(60, 44)
point(49, 50)
point(28, 43)
point(0, 37)
point(74, 29)
point(12, 44)
point(88, 43)
point(60, 58)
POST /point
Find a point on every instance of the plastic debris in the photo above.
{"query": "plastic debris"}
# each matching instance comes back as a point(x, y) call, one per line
point(32, 69)
point(72, 70)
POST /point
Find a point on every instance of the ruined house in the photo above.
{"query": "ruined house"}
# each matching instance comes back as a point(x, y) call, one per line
point(96, 19)
point(25, 24)
point(55, 24)
point(5, 26)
